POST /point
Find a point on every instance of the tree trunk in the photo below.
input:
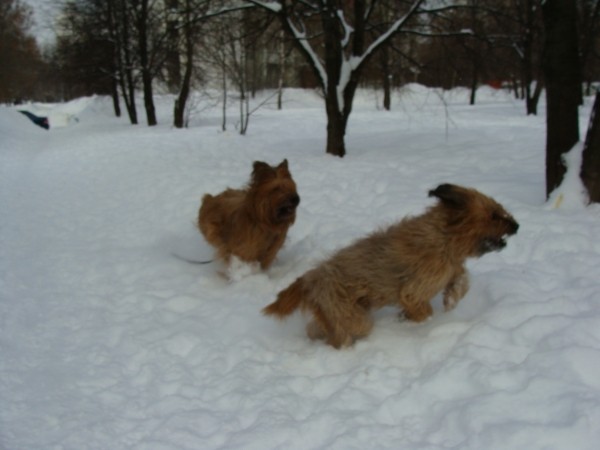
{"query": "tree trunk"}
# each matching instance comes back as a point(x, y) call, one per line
point(336, 130)
point(224, 84)
point(145, 63)
point(527, 63)
point(473, 50)
point(590, 167)
point(532, 103)
point(172, 60)
point(148, 98)
point(281, 55)
point(563, 86)
point(334, 53)
point(474, 80)
point(387, 92)
point(515, 87)
point(129, 95)
point(244, 95)
point(114, 91)
point(589, 29)
point(184, 92)
point(120, 28)
point(114, 77)
point(386, 78)
point(181, 101)
point(336, 124)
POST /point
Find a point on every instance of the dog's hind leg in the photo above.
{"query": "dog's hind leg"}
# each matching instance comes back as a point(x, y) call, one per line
point(361, 326)
point(331, 331)
point(353, 323)
point(315, 331)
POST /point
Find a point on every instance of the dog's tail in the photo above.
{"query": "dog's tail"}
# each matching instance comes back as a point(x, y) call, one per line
point(287, 301)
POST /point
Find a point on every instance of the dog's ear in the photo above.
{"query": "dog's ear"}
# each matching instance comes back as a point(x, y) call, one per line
point(261, 171)
point(282, 169)
point(259, 166)
point(450, 195)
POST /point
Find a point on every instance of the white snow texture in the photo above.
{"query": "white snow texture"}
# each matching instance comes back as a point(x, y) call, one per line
point(107, 341)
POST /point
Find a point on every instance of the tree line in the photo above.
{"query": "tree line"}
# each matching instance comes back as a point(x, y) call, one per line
point(21, 63)
point(120, 47)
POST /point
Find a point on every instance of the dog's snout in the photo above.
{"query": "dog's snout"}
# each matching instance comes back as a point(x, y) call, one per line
point(514, 227)
point(287, 207)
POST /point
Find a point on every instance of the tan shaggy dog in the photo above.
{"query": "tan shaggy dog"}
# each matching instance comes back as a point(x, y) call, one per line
point(406, 265)
point(251, 223)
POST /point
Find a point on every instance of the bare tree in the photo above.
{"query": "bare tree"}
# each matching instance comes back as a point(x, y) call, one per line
point(191, 23)
point(87, 52)
point(95, 42)
point(527, 47)
point(124, 55)
point(532, 66)
point(243, 42)
point(142, 10)
point(589, 31)
point(281, 54)
point(215, 57)
point(193, 18)
point(172, 59)
point(514, 26)
point(21, 61)
point(563, 86)
point(238, 71)
point(332, 36)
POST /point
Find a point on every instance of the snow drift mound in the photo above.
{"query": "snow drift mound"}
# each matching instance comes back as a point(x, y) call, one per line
point(60, 115)
point(17, 128)
point(85, 109)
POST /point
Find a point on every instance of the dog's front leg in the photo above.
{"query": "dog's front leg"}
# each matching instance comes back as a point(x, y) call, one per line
point(271, 251)
point(456, 289)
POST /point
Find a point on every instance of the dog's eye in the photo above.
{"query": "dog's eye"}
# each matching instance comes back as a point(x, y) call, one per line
point(496, 216)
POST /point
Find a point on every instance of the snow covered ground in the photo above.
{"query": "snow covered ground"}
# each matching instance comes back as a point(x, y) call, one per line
point(107, 341)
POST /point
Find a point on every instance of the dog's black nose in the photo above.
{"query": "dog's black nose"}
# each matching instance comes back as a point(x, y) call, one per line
point(294, 200)
point(514, 227)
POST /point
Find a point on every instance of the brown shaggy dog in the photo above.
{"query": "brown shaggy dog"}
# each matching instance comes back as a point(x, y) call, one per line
point(406, 265)
point(251, 223)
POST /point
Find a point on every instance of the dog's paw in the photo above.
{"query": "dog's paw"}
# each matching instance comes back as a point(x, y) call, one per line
point(450, 303)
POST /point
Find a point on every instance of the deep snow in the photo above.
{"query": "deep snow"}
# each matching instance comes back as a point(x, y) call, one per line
point(109, 342)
